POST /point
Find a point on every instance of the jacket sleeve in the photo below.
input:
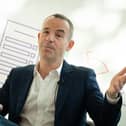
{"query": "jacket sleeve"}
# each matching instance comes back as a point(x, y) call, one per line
point(100, 110)
point(4, 95)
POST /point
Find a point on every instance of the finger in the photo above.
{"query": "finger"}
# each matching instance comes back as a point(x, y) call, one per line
point(123, 71)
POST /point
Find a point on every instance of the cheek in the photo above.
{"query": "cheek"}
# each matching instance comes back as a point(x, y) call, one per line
point(62, 49)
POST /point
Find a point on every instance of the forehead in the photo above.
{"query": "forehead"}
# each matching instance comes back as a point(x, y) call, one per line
point(55, 23)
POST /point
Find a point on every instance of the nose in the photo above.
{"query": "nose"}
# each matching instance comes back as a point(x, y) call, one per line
point(51, 37)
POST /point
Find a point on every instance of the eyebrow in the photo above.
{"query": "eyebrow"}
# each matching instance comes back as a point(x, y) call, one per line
point(45, 29)
point(58, 30)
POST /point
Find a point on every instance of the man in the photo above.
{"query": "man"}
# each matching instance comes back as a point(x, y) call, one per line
point(55, 93)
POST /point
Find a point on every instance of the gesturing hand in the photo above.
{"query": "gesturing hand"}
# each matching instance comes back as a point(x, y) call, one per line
point(117, 83)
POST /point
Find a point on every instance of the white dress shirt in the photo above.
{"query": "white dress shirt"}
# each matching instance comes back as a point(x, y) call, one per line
point(39, 107)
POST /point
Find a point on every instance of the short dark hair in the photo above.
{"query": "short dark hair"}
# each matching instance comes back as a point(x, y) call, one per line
point(61, 16)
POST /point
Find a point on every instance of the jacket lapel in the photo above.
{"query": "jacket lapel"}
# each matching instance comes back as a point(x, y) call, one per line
point(64, 87)
point(25, 86)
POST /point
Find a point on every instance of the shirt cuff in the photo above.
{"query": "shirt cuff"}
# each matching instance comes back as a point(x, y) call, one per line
point(113, 100)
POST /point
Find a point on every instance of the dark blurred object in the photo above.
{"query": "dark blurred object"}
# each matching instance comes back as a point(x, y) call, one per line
point(5, 122)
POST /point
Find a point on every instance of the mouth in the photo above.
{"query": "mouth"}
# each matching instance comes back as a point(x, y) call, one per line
point(49, 48)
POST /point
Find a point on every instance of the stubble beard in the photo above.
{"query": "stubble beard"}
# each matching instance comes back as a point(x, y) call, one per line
point(52, 58)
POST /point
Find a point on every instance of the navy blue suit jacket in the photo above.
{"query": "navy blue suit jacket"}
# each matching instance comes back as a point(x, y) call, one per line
point(78, 93)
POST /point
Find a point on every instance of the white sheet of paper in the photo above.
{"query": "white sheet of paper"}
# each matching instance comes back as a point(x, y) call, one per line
point(18, 47)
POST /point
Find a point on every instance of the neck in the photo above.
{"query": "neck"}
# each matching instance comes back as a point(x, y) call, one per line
point(46, 67)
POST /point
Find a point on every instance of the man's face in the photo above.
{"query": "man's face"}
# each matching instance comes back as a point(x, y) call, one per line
point(53, 39)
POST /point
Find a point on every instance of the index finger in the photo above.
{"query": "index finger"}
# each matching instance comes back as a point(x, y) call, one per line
point(122, 72)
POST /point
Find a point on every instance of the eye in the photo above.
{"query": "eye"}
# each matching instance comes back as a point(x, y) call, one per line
point(59, 36)
point(45, 32)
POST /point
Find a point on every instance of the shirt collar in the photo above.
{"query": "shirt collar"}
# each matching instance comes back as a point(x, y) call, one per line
point(58, 69)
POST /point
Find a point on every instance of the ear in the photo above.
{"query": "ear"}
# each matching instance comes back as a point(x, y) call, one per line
point(70, 45)
point(39, 34)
